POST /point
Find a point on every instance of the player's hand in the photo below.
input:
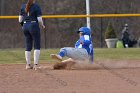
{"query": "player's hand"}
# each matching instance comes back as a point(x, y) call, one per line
point(81, 42)
point(43, 26)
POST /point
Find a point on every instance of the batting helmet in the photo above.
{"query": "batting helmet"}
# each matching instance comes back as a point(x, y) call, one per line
point(84, 30)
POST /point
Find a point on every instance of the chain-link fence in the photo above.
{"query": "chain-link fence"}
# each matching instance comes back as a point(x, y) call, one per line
point(61, 32)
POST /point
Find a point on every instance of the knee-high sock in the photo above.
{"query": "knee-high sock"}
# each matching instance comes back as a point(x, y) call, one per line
point(62, 52)
point(28, 57)
point(36, 56)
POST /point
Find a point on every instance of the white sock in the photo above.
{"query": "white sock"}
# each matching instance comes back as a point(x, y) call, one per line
point(36, 56)
point(28, 57)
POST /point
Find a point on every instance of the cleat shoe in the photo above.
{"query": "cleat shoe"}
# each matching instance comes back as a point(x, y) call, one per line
point(36, 67)
point(28, 66)
point(57, 57)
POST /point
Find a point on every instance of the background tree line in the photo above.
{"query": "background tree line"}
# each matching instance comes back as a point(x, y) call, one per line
point(61, 32)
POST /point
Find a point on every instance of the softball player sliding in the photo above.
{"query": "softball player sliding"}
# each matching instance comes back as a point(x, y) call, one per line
point(83, 51)
point(30, 18)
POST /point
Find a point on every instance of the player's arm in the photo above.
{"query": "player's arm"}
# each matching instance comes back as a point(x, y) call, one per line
point(77, 44)
point(21, 20)
point(39, 17)
point(40, 20)
point(21, 16)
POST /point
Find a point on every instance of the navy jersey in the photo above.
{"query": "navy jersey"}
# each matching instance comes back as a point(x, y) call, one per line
point(34, 12)
point(30, 25)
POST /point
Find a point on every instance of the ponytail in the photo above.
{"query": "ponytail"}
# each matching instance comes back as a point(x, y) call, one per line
point(28, 5)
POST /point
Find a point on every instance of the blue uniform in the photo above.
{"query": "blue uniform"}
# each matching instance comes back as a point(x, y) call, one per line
point(87, 45)
point(30, 27)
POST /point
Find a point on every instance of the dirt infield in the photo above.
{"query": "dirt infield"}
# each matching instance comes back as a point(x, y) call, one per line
point(15, 79)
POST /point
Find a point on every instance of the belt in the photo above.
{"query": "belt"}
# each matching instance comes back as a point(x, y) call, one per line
point(30, 21)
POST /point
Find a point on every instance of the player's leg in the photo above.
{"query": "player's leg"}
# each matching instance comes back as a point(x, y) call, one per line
point(75, 56)
point(77, 53)
point(29, 42)
point(74, 53)
point(67, 60)
point(66, 64)
point(69, 63)
point(60, 55)
point(36, 37)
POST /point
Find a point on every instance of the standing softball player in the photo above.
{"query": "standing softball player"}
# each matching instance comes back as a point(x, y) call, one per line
point(83, 51)
point(30, 19)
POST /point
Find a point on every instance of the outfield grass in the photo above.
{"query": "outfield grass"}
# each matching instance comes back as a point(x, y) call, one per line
point(120, 54)
point(16, 56)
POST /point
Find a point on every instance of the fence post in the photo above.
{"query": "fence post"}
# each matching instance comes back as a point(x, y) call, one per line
point(101, 37)
point(88, 13)
point(45, 37)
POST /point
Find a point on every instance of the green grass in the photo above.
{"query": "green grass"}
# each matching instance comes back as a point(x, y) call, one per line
point(16, 56)
point(120, 54)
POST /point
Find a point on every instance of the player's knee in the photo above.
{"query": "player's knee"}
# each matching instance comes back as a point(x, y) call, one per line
point(37, 47)
point(28, 49)
point(62, 50)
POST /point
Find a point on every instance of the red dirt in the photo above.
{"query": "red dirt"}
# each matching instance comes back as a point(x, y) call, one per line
point(15, 79)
